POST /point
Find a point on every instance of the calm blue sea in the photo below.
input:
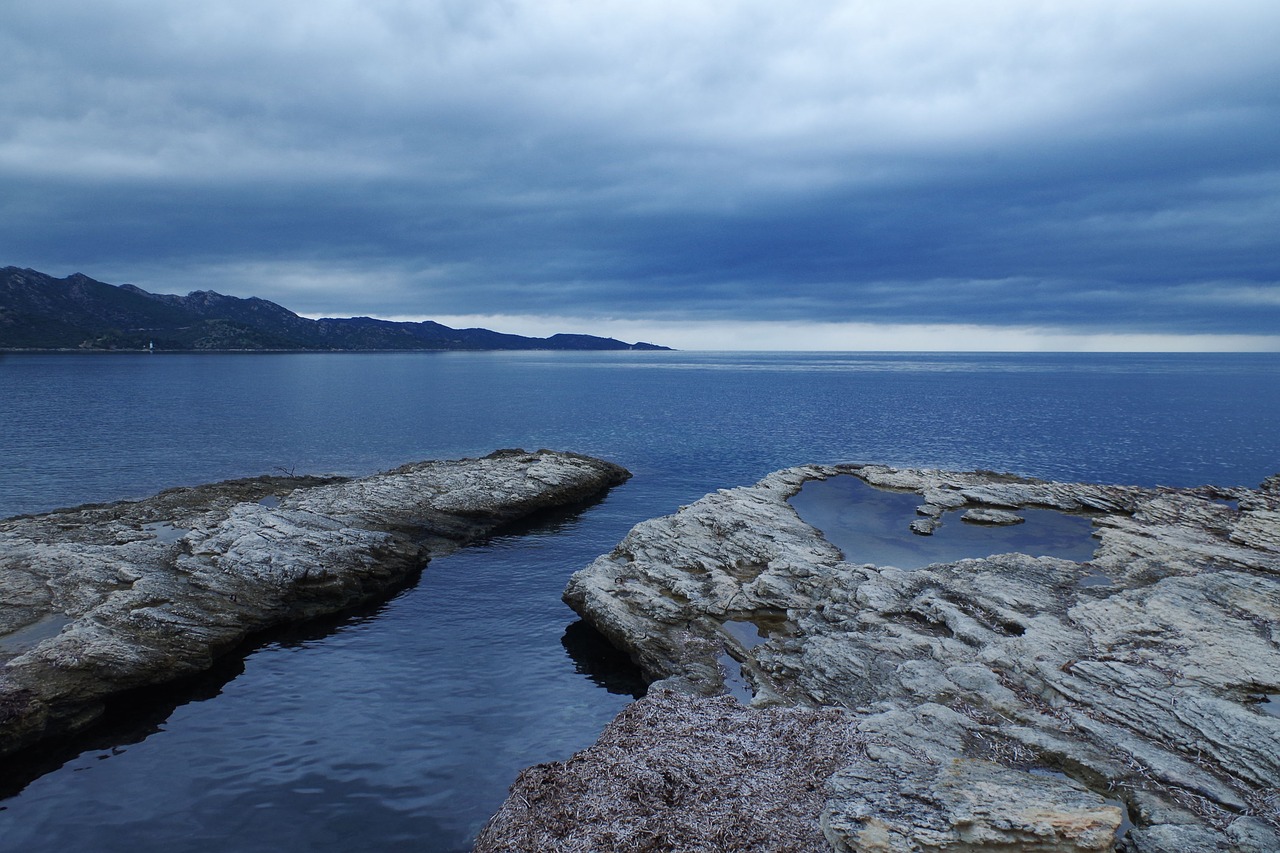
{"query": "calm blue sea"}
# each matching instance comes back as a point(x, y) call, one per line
point(400, 727)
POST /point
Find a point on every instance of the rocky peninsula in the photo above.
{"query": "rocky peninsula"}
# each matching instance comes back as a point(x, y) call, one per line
point(1011, 702)
point(102, 599)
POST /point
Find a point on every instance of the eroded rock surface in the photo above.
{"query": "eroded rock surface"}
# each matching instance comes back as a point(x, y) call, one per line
point(101, 599)
point(1005, 703)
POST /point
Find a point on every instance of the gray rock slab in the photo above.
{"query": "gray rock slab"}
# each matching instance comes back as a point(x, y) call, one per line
point(101, 599)
point(1008, 702)
point(997, 517)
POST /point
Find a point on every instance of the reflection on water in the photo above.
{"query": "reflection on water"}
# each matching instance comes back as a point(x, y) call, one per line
point(456, 685)
point(395, 727)
point(748, 634)
point(165, 532)
point(735, 683)
point(320, 809)
point(597, 659)
point(872, 525)
point(30, 636)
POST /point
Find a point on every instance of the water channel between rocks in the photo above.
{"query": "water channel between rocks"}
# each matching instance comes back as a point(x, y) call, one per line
point(872, 525)
point(401, 727)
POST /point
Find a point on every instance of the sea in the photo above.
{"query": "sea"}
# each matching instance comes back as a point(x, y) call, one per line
point(399, 726)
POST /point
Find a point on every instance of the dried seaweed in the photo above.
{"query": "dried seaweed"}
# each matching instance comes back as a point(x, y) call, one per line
point(677, 772)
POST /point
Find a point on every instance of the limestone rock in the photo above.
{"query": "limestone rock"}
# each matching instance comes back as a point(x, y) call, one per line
point(101, 599)
point(925, 526)
point(1009, 702)
point(972, 803)
point(982, 515)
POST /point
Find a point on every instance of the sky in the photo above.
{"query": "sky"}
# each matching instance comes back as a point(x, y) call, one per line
point(884, 174)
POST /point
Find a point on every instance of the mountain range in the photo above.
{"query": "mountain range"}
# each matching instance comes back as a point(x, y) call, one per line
point(38, 311)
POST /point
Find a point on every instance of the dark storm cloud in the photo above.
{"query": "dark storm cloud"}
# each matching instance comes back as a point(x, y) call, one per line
point(1098, 168)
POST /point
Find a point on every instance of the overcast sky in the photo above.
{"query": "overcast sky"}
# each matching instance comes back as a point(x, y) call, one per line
point(850, 175)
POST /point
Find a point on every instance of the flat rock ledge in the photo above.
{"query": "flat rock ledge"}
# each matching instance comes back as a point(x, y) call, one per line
point(102, 599)
point(1007, 703)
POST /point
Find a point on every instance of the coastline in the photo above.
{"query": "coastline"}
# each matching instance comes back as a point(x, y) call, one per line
point(103, 599)
point(82, 430)
point(1007, 702)
point(265, 351)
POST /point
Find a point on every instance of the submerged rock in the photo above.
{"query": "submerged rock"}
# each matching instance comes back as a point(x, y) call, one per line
point(1004, 703)
point(996, 517)
point(102, 599)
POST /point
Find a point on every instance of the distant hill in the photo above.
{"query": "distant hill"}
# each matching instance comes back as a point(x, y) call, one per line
point(38, 311)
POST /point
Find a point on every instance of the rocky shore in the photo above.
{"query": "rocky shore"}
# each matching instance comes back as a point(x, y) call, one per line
point(1012, 702)
point(101, 599)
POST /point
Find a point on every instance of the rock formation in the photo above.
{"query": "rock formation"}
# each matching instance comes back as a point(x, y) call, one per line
point(1004, 703)
point(101, 599)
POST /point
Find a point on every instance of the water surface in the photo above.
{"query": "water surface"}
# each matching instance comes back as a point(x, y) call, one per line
point(401, 726)
point(873, 525)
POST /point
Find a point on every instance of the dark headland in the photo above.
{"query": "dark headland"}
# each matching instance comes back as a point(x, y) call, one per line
point(40, 312)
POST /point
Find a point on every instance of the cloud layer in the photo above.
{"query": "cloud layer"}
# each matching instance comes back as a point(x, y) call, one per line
point(1091, 168)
